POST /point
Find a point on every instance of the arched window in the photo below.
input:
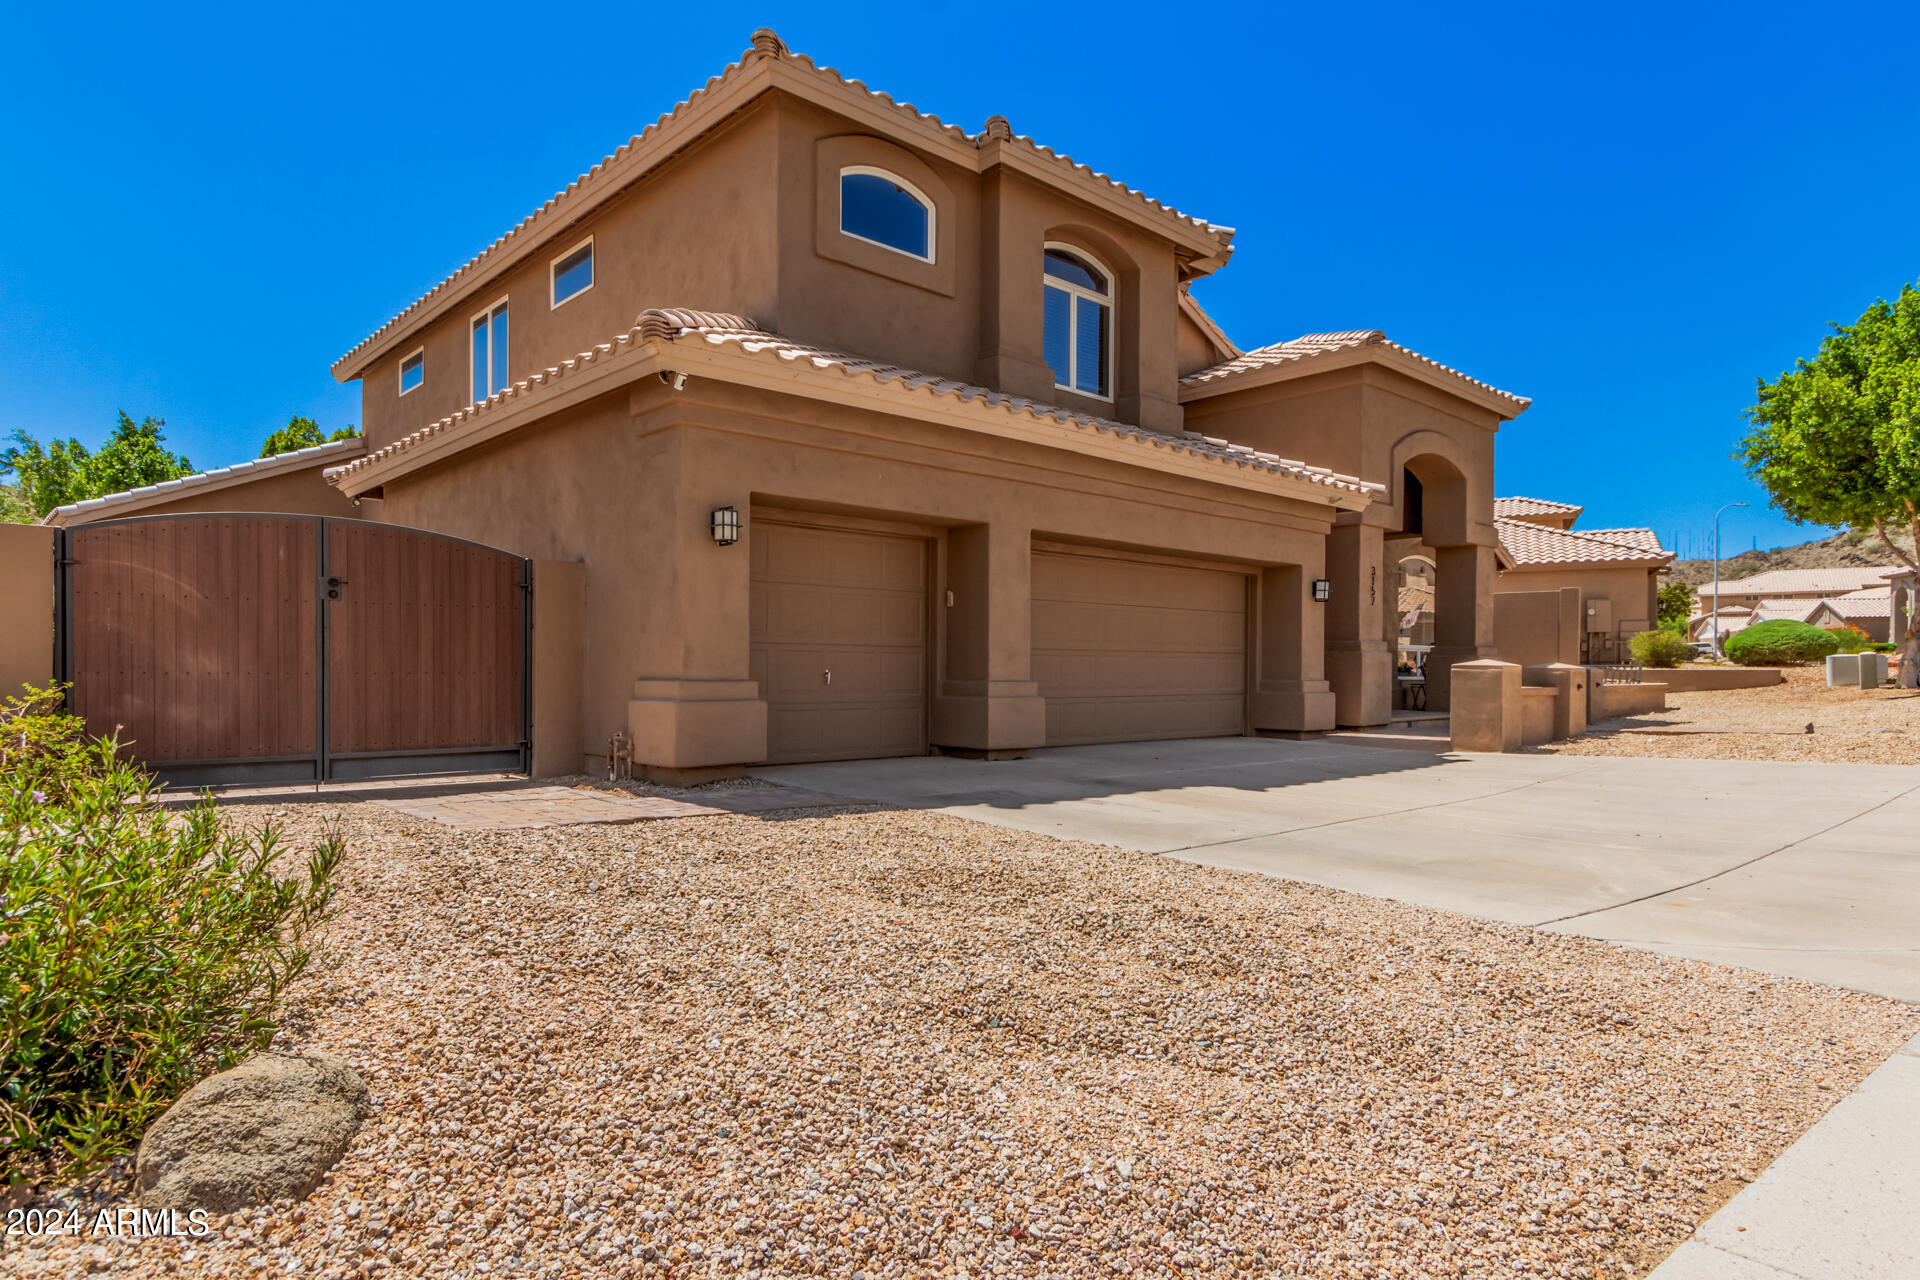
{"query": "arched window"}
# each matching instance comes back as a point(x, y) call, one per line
point(1079, 295)
point(880, 208)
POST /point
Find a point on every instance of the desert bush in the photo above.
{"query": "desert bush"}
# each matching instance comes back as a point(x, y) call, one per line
point(1852, 639)
point(1781, 642)
point(1658, 648)
point(140, 948)
point(1884, 646)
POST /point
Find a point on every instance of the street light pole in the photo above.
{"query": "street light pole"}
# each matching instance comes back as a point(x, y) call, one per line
point(1716, 571)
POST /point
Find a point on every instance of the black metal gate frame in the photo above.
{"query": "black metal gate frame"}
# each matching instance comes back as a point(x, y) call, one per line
point(240, 770)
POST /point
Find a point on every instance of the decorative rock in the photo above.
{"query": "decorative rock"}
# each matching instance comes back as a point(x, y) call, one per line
point(266, 1130)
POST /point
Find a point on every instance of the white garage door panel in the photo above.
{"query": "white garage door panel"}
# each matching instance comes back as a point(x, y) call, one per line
point(855, 605)
point(1124, 650)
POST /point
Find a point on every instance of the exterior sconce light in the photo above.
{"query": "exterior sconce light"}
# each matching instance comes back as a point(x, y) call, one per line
point(726, 526)
point(1322, 590)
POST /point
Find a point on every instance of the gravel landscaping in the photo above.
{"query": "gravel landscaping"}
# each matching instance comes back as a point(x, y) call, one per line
point(1850, 726)
point(902, 1044)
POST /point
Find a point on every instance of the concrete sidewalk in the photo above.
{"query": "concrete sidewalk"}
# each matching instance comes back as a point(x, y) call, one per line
point(1843, 1203)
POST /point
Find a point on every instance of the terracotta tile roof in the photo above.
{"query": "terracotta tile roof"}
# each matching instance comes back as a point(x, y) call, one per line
point(627, 164)
point(1539, 544)
point(661, 328)
point(1806, 582)
point(1415, 597)
point(1515, 508)
point(129, 500)
point(1859, 604)
point(1308, 347)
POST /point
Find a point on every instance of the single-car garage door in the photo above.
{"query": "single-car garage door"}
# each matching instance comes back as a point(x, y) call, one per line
point(839, 634)
point(1125, 650)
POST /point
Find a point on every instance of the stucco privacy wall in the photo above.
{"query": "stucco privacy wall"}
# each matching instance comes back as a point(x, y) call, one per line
point(627, 485)
point(26, 607)
point(1634, 592)
point(1537, 627)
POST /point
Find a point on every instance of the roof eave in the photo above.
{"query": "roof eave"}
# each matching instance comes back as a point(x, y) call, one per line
point(202, 482)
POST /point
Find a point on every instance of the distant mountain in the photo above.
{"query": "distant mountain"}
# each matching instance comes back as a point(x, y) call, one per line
point(1846, 550)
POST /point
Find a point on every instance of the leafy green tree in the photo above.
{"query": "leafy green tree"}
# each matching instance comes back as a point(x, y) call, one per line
point(303, 433)
point(1836, 439)
point(1676, 607)
point(64, 471)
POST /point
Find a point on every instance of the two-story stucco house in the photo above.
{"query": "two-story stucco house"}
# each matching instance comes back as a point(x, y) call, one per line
point(878, 437)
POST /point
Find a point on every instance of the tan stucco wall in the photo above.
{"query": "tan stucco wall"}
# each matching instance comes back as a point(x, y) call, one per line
point(1534, 628)
point(628, 489)
point(1633, 592)
point(302, 492)
point(746, 221)
point(26, 607)
point(559, 651)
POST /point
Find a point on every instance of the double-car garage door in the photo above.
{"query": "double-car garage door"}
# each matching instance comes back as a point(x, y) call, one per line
point(1123, 649)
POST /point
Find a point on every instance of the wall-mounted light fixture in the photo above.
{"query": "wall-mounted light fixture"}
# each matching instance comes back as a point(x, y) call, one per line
point(1322, 590)
point(726, 526)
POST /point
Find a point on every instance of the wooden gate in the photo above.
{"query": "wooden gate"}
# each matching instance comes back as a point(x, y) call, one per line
point(273, 648)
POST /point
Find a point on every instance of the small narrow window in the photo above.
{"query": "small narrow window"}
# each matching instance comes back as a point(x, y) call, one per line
point(573, 272)
point(1079, 323)
point(490, 351)
point(881, 209)
point(413, 370)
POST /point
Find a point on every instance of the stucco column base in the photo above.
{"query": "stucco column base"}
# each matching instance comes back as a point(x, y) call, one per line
point(989, 716)
point(1487, 713)
point(1294, 706)
point(1569, 684)
point(1361, 677)
point(696, 724)
point(1440, 665)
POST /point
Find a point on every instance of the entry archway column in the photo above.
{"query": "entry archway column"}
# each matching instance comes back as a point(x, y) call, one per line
point(1359, 657)
point(1462, 616)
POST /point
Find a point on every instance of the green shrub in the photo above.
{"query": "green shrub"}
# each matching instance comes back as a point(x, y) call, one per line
point(1884, 646)
point(1852, 639)
point(1781, 642)
point(140, 948)
point(1658, 649)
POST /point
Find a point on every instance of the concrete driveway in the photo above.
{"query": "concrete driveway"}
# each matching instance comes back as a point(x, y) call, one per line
point(1810, 870)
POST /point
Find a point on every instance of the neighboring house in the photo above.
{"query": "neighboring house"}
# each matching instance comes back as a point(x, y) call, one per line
point(877, 436)
point(294, 483)
point(1857, 598)
point(1809, 585)
point(1616, 571)
point(1869, 611)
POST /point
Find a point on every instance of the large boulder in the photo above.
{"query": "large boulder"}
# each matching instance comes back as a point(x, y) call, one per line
point(266, 1130)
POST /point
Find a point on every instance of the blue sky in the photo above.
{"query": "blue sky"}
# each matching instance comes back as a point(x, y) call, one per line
point(1626, 213)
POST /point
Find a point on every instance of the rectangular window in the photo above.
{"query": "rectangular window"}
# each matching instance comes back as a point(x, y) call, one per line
point(490, 351)
point(413, 370)
point(573, 272)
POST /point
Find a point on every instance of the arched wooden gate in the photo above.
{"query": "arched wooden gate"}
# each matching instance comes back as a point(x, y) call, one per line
point(277, 648)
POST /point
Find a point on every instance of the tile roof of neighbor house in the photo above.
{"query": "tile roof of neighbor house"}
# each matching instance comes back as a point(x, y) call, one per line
point(1513, 508)
point(688, 121)
point(658, 330)
point(1805, 582)
point(1537, 545)
point(1253, 367)
point(1863, 604)
point(337, 451)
